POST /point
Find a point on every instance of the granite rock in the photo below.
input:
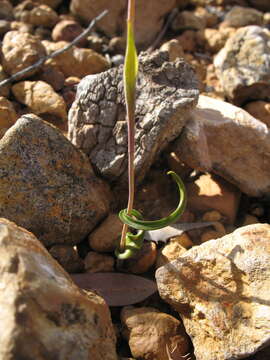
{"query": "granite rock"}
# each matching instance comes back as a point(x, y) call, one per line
point(221, 291)
point(44, 315)
point(47, 185)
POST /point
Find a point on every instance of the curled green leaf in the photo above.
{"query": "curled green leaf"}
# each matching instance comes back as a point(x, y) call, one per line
point(133, 242)
point(147, 225)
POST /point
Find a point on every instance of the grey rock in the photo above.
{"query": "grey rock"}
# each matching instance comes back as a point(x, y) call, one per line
point(44, 315)
point(225, 139)
point(221, 290)
point(47, 185)
point(166, 93)
point(243, 65)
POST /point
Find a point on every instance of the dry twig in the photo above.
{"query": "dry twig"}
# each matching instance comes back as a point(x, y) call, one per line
point(41, 61)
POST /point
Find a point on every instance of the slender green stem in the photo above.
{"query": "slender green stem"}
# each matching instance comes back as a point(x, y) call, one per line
point(130, 106)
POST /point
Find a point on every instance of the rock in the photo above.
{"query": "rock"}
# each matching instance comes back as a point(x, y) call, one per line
point(143, 259)
point(44, 314)
point(240, 16)
point(4, 27)
point(106, 237)
point(188, 41)
point(51, 3)
point(213, 234)
point(260, 110)
point(68, 30)
point(22, 27)
point(96, 42)
point(152, 334)
point(76, 61)
point(20, 50)
point(174, 49)
point(210, 192)
point(97, 117)
point(169, 252)
point(6, 10)
point(52, 76)
point(95, 262)
point(8, 115)
point(262, 5)
point(67, 257)
point(40, 98)
point(47, 185)
point(213, 39)
point(221, 290)
point(117, 45)
point(249, 219)
point(209, 17)
point(187, 20)
point(226, 140)
point(4, 90)
point(38, 15)
point(245, 73)
point(148, 25)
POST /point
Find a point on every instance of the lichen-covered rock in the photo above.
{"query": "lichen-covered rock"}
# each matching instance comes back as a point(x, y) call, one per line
point(152, 334)
point(221, 290)
point(148, 24)
point(240, 16)
point(35, 14)
point(8, 115)
point(20, 50)
point(44, 315)
point(47, 185)
point(166, 93)
point(243, 65)
point(226, 140)
point(76, 61)
point(40, 98)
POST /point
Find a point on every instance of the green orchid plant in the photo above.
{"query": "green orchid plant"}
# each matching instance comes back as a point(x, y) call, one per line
point(130, 243)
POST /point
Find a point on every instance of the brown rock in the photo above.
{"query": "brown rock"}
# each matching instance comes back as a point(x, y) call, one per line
point(187, 20)
point(240, 16)
point(210, 19)
point(211, 192)
point(76, 61)
point(106, 237)
point(40, 98)
point(52, 76)
point(68, 257)
point(170, 251)
point(118, 45)
point(226, 140)
point(4, 27)
point(8, 115)
point(174, 49)
point(260, 110)
point(4, 90)
point(22, 27)
point(6, 10)
point(95, 262)
point(68, 30)
point(51, 3)
point(20, 50)
point(148, 23)
point(221, 290)
point(143, 259)
point(152, 334)
point(38, 15)
point(188, 40)
point(262, 5)
point(44, 314)
point(48, 186)
point(213, 39)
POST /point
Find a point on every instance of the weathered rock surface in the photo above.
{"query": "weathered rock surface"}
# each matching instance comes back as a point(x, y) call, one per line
point(243, 65)
point(40, 98)
point(35, 14)
point(221, 290)
point(20, 50)
point(76, 61)
point(148, 24)
point(166, 93)
point(152, 334)
point(47, 185)
point(240, 16)
point(44, 315)
point(227, 140)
